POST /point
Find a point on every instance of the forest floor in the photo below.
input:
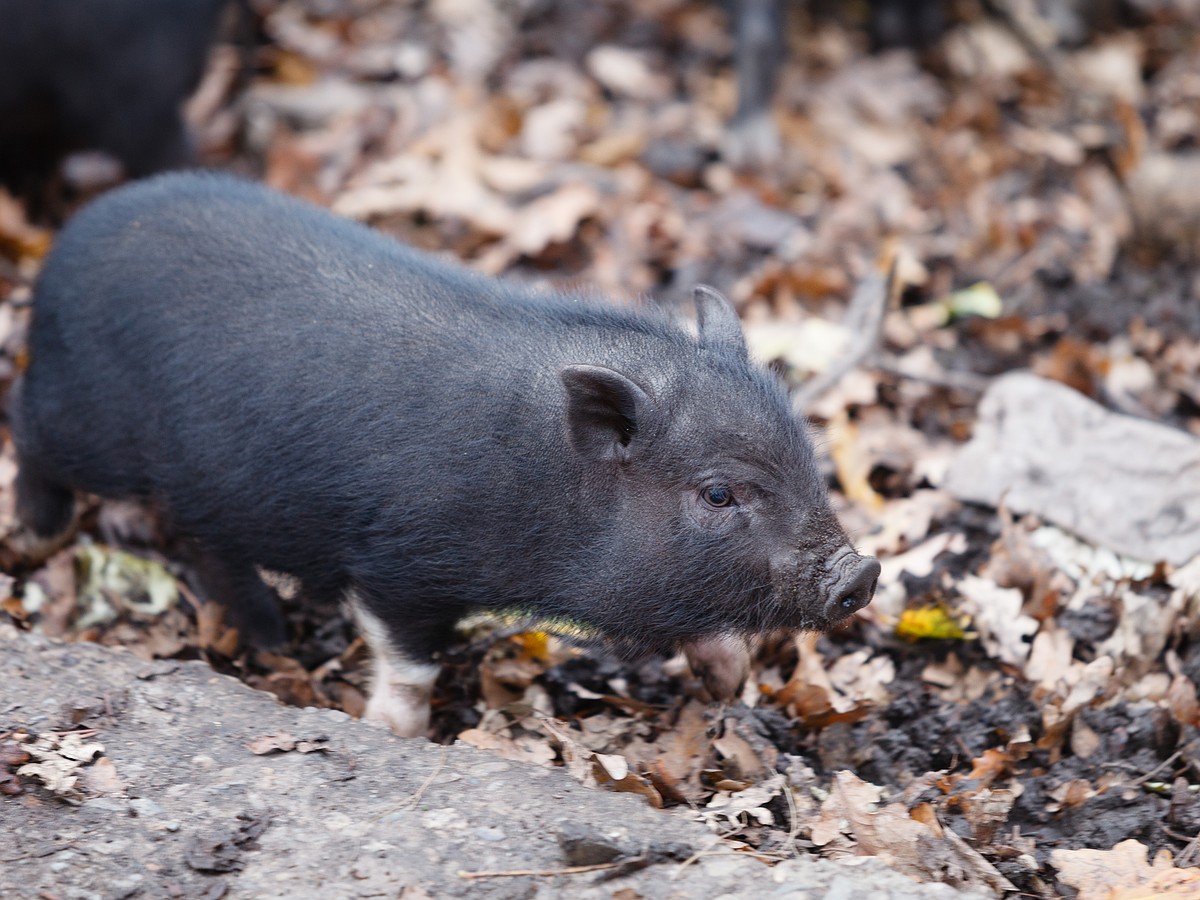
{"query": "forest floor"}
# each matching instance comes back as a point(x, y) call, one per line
point(1018, 710)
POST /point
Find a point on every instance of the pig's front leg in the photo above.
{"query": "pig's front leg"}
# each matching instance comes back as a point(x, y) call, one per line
point(401, 687)
point(721, 662)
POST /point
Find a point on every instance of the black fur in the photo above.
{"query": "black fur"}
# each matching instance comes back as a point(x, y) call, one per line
point(304, 394)
point(98, 75)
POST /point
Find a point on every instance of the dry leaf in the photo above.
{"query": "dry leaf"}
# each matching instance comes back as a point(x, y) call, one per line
point(553, 218)
point(932, 622)
point(101, 778)
point(996, 613)
point(598, 769)
point(539, 754)
point(1123, 873)
point(60, 759)
point(673, 764)
point(283, 742)
point(743, 808)
point(924, 851)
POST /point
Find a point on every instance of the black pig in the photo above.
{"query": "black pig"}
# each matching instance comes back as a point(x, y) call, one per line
point(98, 75)
point(300, 393)
point(760, 47)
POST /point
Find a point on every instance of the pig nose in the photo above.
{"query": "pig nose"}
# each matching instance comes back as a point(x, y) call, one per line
point(855, 590)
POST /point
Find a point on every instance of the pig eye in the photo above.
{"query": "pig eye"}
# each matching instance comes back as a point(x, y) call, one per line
point(717, 496)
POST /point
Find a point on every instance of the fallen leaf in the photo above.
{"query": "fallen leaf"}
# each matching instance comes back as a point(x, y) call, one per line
point(1123, 873)
point(542, 755)
point(60, 759)
point(931, 622)
point(740, 757)
point(101, 778)
point(270, 743)
point(743, 808)
point(284, 742)
point(924, 851)
point(110, 581)
point(674, 762)
point(996, 614)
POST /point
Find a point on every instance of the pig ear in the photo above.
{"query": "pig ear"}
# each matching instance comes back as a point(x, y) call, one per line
point(603, 407)
point(717, 321)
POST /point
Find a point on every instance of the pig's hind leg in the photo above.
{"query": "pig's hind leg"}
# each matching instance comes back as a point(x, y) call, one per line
point(250, 606)
point(44, 506)
point(401, 683)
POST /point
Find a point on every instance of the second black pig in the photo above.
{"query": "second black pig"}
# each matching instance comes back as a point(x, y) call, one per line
point(107, 75)
point(760, 47)
point(301, 393)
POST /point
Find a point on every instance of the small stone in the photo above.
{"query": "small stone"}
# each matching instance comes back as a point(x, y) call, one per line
point(144, 807)
point(111, 804)
point(717, 867)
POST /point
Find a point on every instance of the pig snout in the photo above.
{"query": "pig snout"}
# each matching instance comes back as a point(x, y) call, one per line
point(854, 589)
point(821, 589)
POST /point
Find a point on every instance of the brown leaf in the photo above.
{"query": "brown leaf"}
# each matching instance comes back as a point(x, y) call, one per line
point(987, 811)
point(102, 778)
point(541, 754)
point(18, 239)
point(10, 784)
point(924, 851)
point(13, 754)
point(741, 759)
point(272, 743)
point(613, 772)
point(673, 763)
point(56, 583)
point(1123, 873)
point(992, 764)
point(1181, 700)
point(211, 631)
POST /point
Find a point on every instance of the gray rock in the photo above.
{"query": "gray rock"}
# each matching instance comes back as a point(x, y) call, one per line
point(363, 819)
point(1123, 483)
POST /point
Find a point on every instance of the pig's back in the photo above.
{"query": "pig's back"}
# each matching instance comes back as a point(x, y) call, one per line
point(218, 345)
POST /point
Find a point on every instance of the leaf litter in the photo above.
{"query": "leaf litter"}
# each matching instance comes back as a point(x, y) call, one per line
point(1018, 710)
point(60, 761)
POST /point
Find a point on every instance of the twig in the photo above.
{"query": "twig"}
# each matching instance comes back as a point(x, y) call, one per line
point(793, 818)
point(1166, 762)
point(958, 380)
point(703, 851)
point(425, 785)
point(713, 850)
point(37, 854)
point(864, 320)
point(1186, 854)
point(412, 801)
point(569, 870)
